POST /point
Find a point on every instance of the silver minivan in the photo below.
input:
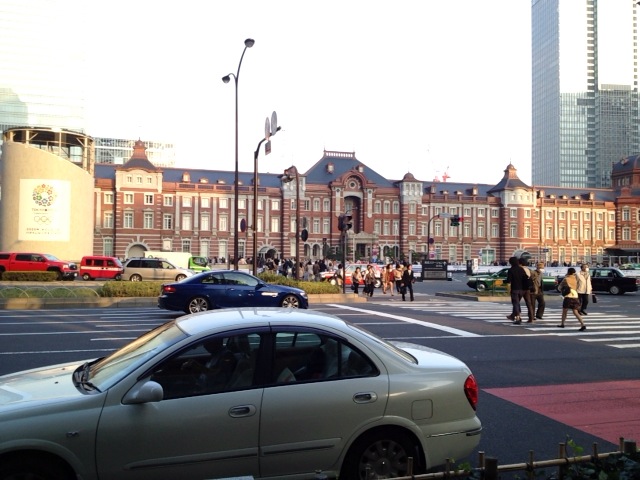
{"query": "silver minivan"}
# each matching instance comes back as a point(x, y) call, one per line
point(137, 269)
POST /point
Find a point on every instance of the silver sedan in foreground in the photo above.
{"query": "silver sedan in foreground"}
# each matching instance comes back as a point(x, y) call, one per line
point(269, 393)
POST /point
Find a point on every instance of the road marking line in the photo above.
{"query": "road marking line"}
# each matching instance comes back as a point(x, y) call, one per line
point(454, 331)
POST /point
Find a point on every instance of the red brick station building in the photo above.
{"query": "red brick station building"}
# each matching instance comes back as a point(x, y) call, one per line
point(55, 199)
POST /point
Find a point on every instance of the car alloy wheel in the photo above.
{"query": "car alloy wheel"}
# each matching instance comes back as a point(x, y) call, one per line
point(290, 301)
point(135, 278)
point(180, 277)
point(198, 304)
point(615, 290)
point(481, 287)
point(382, 454)
point(86, 276)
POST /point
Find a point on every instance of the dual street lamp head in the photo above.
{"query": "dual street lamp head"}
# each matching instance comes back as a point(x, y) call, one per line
point(248, 43)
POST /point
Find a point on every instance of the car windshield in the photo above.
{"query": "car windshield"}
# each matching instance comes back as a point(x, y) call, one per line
point(107, 371)
point(200, 261)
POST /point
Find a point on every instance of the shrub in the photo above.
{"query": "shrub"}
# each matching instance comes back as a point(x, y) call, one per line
point(29, 276)
point(309, 287)
point(130, 289)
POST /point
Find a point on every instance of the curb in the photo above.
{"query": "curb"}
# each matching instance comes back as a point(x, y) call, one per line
point(136, 302)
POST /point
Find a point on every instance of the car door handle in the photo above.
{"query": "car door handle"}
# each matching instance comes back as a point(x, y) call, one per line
point(365, 397)
point(242, 411)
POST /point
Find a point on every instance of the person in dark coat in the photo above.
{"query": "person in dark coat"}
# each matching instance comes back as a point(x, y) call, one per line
point(407, 283)
point(527, 292)
point(516, 278)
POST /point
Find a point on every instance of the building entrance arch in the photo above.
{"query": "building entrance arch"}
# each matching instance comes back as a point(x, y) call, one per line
point(136, 250)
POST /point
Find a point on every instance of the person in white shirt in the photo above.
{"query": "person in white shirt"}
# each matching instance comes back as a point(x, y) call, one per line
point(584, 287)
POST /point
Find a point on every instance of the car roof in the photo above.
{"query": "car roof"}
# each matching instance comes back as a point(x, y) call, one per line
point(202, 322)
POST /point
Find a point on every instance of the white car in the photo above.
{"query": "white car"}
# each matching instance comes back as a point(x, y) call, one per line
point(268, 393)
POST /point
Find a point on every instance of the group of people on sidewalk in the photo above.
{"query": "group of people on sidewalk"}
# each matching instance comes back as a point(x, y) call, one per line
point(398, 279)
point(527, 284)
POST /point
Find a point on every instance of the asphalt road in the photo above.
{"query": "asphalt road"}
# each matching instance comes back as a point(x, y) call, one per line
point(539, 384)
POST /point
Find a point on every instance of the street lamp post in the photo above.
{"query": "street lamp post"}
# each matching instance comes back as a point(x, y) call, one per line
point(290, 174)
point(440, 215)
point(255, 198)
point(248, 43)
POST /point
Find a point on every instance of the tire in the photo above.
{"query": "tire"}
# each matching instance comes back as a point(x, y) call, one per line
point(481, 287)
point(378, 283)
point(381, 454)
point(615, 290)
point(290, 301)
point(58, 274)
point(118, 277)
point(197, 304)
point(180, 277)
point(135, 277)
point(333, 281)
point(86, 277)
point(23, 467)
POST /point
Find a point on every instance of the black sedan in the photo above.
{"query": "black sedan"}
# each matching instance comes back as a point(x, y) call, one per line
point(228, 289)
point(612, 280)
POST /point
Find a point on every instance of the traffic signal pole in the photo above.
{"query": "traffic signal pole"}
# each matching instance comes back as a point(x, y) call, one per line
point(344, 225)
point(429, 239)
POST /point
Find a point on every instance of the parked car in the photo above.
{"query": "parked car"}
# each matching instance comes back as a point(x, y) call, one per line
point(250, 388)
point(96, 266)
point(612, 280)
point(225, 289)
point(37, 262)
point(137, 269)
point(496, 281)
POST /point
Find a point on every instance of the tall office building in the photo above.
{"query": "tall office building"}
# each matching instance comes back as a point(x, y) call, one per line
point(43, 63)
point(44, 74)
point(585, 90)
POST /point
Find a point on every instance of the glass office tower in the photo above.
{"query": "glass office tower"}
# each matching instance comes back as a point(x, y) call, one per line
point(42, 58)
point(44, 72)
point(584, 90)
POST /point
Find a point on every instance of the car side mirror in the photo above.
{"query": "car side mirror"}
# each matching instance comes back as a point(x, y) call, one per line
point(144, 392)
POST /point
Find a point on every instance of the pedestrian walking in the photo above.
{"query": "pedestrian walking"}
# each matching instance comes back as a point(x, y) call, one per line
point(527, 289)
point(407, 282)
point(356, 277)
point(397, 276)
point(515, 278)
point(370, 280)
point(584, 287)
point(537, 297)
point(570, 301)
point(388, 279)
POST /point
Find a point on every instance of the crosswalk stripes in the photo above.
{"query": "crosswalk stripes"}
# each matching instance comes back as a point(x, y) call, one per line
point(614, 330)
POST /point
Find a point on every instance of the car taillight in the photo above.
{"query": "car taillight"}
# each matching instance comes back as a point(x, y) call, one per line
point(168, 289)
point(471, 391)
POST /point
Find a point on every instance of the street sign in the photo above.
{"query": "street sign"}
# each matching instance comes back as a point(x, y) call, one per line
point(267, 148)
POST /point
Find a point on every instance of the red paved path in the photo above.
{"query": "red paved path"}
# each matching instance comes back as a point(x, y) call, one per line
point(608, 410)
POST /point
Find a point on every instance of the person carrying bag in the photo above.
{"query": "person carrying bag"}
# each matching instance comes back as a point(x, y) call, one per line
point(571, 301)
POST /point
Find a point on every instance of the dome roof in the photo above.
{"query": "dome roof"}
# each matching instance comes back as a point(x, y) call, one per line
point(626, 165)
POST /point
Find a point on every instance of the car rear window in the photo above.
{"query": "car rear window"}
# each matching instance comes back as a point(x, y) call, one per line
point(389, 346)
